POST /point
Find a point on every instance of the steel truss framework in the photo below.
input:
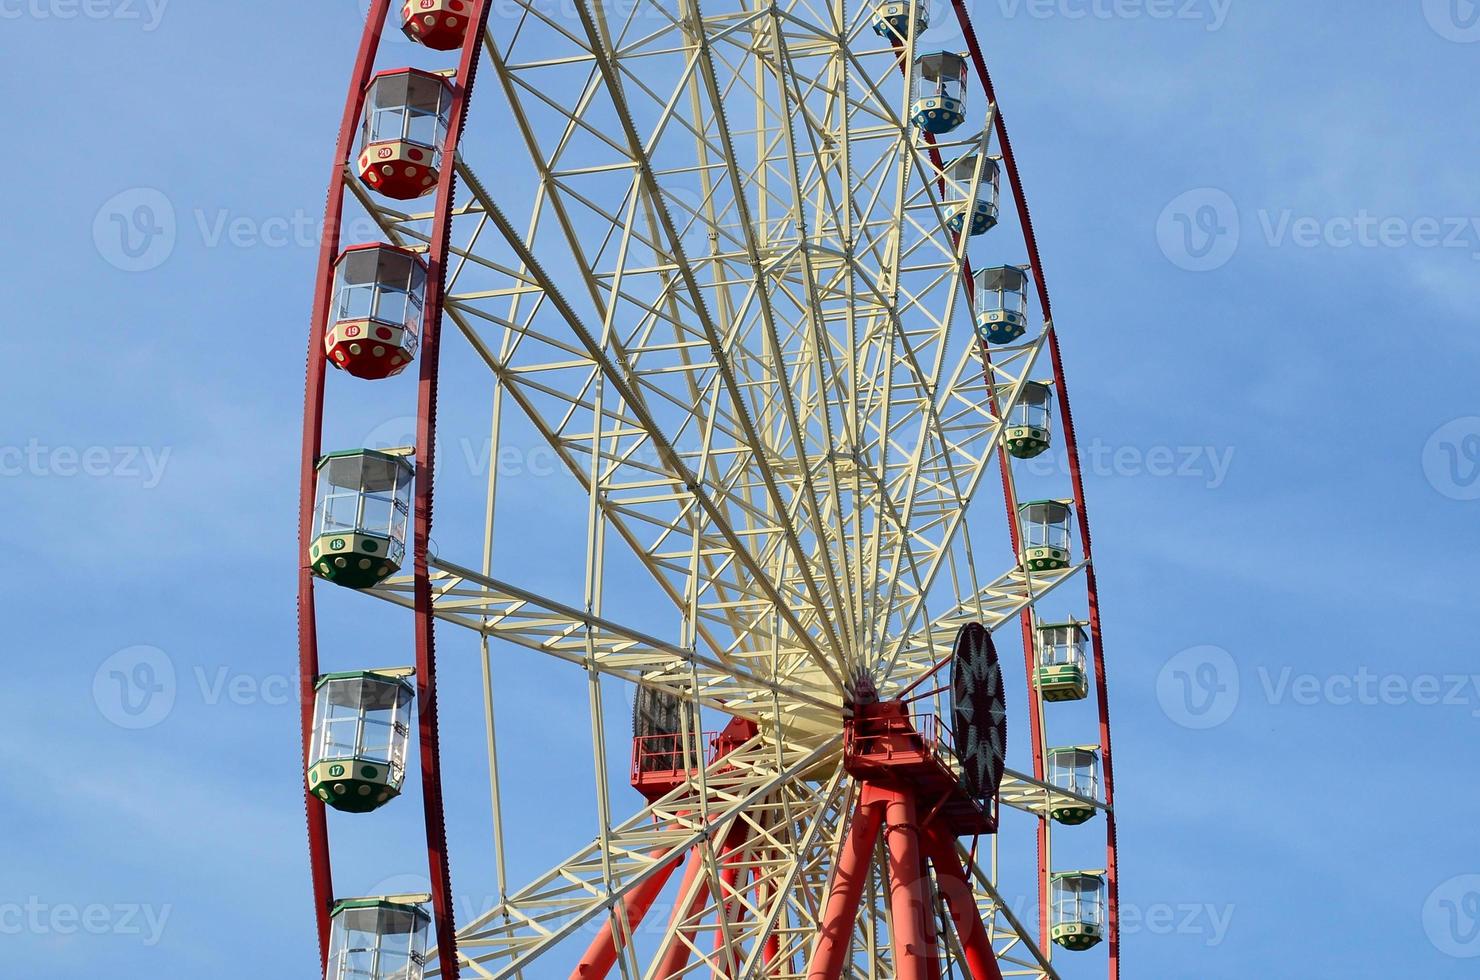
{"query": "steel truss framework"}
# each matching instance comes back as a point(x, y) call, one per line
point(734, 312)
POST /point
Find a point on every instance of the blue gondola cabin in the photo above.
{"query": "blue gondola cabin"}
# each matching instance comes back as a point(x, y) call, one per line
point(940, 92)
point(892, 20)
point(1001, 303)
point(982, 173)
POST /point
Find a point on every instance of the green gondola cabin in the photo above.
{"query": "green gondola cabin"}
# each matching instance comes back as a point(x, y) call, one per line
point(362, 727)
point(940, 92)
point(1078, 920)
point(403, 131)
point(1075, 768)
point(1001, 303)
point(1061, 674)
point(1028, 434)
point(1046, 535)
point(983, 173)
point(379, 938)
point(364, 499)
point(892, 20)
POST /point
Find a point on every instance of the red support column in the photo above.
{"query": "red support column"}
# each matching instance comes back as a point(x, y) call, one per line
point(855, 858)
point(916, 954)
point(954, 885)
point(602, 954)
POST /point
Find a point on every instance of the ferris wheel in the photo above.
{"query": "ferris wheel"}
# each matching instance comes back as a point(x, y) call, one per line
point(762, 279)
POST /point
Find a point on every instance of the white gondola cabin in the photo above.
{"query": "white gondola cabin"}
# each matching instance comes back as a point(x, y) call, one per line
point(441, 25)
point(985, 174)
point(403, 131)
point(1061, 674)
point(379, 296)
point(1075, 768)
point(892, 20)
point(1001, 304)
point(1028, 434)
point(1078, 909)
point(1046, 535)
point(940, 92)
point(362, 727)
point(364, 499)
point(379, 938)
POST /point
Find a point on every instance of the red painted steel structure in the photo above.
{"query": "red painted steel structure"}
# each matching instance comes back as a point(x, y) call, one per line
point(309, 669)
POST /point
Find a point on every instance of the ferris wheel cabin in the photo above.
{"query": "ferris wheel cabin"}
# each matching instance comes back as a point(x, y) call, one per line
point(984, 173)
point(379, 938)
point(1078, 921)
point(379, 293)
point(1046, 536)
point(1028, 435)
point(1001, 304)
point(362, 725)
point(892, 20)
point(441, 25)
point(403, 131)
point(940, 92)
point(364, 497)
point(1075, 768)
point(1061, 674)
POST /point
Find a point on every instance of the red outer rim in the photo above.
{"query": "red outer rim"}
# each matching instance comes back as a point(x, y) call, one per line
point(313, 418)
point(313, 424)
point(1025, 218)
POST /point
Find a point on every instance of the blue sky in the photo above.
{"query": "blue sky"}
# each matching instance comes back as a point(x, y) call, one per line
point(1262, 229)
